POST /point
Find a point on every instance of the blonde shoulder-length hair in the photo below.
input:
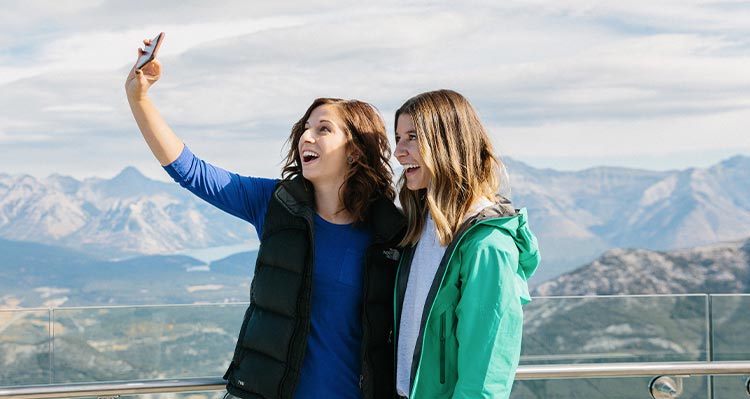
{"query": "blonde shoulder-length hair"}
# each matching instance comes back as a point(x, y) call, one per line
point(458, 157)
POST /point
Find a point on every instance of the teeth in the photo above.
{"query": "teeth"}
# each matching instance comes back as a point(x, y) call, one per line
point(410, 166)
point(310, 154)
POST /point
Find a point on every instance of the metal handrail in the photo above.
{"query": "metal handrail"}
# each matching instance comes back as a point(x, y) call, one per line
point(642, 369)
point(112, 389)
point(524, 372)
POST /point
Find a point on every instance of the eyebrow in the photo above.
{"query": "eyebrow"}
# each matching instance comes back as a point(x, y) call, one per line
point(322, 120)
point(407, 132)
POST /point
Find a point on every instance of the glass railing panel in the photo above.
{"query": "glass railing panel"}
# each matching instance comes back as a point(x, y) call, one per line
point(609, 388)
point(24, 347)
point(730, 332)
point(729, 386)
point(615, 329)
point(179, 341)
point(144, 342)
point(730, 336)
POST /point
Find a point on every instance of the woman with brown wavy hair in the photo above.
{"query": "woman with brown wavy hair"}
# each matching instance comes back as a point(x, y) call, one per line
point(462, 278)
point(319, 320)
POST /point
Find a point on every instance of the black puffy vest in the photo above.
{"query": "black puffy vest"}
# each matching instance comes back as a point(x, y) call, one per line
point(273, 337)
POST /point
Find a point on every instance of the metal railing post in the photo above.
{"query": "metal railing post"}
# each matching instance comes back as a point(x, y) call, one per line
point(51, 345)
point(710, 341)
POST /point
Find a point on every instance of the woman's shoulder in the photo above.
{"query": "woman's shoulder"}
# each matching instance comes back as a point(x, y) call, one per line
point(493, 229)
point(503, 238)
point(485, 236)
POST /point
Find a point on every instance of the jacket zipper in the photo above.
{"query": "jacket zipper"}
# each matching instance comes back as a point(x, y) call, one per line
point(442, 348)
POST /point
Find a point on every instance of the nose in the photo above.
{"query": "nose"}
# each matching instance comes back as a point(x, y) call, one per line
point(307, 136)
point(400, 150)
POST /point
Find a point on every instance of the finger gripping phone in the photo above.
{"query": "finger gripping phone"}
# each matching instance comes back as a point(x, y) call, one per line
point(149, 52)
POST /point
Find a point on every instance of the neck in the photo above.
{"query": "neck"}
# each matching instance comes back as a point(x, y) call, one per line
point(329, 206)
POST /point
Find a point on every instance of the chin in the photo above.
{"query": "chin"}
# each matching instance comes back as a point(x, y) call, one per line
point(307, 175)
point(414, 186)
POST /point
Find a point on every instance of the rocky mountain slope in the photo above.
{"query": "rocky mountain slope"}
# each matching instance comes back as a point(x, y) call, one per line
point(722, 268)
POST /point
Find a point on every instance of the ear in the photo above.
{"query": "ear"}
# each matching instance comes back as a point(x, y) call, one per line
point(352, 156)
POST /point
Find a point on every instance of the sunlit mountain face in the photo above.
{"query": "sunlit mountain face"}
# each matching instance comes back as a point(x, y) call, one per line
point(123, 216)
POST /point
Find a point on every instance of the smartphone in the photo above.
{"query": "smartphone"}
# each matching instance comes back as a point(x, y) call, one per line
point(149, 52)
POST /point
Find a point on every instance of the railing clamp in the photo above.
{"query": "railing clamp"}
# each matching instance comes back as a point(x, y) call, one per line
point(747, 386)
point(663, 387)
point(108, 397)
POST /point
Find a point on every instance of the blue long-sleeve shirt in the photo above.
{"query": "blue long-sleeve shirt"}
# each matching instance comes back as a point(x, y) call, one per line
point(332, 364)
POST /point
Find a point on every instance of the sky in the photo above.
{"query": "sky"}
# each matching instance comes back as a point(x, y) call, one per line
point(564, 85)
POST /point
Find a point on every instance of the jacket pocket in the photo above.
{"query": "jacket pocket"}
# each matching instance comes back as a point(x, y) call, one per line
point(442, 347)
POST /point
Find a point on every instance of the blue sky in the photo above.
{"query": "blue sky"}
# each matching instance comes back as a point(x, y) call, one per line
point(564, 85)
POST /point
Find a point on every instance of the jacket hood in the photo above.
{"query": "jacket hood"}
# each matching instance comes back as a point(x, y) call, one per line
point(528, 248)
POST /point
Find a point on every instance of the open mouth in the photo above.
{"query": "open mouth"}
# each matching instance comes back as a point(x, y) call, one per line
point(410, 168)
point(308, 156)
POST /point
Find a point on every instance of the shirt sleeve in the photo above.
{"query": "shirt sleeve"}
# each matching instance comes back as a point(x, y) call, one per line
point(242, 196)
point(490, 322)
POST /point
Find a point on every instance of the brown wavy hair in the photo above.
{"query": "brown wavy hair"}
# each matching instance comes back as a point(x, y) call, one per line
point(457, 156)
point(369, 176)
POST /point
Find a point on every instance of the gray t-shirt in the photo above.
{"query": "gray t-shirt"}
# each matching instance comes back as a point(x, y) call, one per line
point(425, 263)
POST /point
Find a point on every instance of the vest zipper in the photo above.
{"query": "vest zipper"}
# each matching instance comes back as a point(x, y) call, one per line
point(284, 388)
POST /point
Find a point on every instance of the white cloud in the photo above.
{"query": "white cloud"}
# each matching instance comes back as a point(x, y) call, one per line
point(563, 81)
point(75, 108)
point(105, 50)
point(654, 143)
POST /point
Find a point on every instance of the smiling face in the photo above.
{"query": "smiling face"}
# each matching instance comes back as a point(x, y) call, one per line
point(323, 147)
point(408, 155)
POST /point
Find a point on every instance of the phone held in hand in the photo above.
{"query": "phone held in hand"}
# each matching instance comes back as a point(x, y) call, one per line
point(149, 52)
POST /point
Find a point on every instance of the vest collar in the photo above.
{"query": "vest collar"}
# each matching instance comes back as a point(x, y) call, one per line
point(297, 196)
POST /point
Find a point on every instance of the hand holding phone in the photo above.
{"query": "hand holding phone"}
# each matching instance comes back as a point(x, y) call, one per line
point(149, 52)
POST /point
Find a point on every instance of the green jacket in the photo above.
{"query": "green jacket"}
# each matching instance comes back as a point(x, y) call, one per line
point(470, 335)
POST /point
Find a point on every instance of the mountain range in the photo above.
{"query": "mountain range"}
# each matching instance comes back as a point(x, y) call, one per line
point(579, 215)
point(113, 218)
point(576, 215)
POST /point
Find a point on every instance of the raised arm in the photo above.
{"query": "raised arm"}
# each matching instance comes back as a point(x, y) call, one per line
point(163, 142)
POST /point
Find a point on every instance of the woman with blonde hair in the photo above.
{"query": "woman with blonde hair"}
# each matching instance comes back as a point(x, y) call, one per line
point(462, 279)
point(319, 317)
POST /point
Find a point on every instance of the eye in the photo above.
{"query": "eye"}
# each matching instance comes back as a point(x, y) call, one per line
point(412, 137)
point(398, 139)
point(325, 129)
